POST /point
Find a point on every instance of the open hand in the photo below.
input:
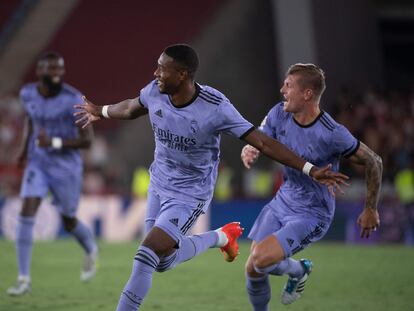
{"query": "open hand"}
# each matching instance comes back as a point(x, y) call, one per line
point(249, 155)
point(334, 180)
point(87, 114)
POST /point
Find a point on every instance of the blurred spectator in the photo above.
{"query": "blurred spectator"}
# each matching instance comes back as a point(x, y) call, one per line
point(258, 183)
point(404, 185)
point(11, 122)
point(97, 156)
point(385, 122)
point(94, 182)
point(140, 182)
point(224, 186)
point(393, 221)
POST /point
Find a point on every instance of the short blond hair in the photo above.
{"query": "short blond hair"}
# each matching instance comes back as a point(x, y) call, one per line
point(311, 76)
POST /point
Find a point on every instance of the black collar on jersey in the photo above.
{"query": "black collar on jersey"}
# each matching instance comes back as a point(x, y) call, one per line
point(310, 124)
point(191, 100)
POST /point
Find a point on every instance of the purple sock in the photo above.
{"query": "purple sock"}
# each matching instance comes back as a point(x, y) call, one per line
point(24, 242)
point(190, 246)
point(259, 292)
point(288, 266)
point(84, 237)
point(140, 280)
point(167, 263)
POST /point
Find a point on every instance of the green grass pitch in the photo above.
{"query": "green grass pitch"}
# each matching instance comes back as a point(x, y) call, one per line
point(345, 278)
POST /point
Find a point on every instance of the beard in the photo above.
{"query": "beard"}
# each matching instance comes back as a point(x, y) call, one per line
point(54, 87)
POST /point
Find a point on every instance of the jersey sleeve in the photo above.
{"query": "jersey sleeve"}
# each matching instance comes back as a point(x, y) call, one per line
point(145, 93)
point(72, 97)
point(344, 142)
point(24, 97)
point(269, 123)
point(230, 121)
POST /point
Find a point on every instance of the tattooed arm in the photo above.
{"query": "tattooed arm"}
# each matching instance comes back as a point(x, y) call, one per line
point(369, 218)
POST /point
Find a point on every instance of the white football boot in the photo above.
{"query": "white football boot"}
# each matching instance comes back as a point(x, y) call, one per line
point(294, 287)
point(21, 287)
point(90, 265)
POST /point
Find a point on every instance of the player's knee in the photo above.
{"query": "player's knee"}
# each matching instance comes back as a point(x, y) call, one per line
point(30, 207)
point(28, 212)
point(159, 247)
point(69, 223)
point(262, 259)
point(159, 242)
point(160, 250)
point(250, 271)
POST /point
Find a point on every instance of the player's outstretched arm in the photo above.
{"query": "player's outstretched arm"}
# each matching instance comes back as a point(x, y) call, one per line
point(125, 110)
point(369, 219)
point(279, 152)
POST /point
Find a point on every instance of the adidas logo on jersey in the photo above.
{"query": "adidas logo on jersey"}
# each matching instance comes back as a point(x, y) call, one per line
point(158, 113)
point(174, 221)
point(290, 241)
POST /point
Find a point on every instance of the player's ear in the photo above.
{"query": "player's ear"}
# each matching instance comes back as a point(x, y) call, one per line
point(184, 74)
point(308, 94)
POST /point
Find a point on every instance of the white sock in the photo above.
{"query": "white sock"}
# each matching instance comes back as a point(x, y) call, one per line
point(23, 278)
point(222, 238)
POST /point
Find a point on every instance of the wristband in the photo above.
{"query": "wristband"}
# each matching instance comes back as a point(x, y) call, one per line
point(105, 112)
point(57, 143)
point(307, 168)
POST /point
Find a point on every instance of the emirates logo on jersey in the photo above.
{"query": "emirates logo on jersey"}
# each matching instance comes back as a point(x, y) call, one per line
point(172, 140)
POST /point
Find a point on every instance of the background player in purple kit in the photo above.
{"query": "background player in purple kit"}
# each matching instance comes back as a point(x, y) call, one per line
point(51, 146)
point(302, 210)
point(187, 119)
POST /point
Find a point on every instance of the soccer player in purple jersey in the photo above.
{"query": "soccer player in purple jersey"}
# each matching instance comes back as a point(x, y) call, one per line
point(187, 119)
point(51, 146)
point(302, 210)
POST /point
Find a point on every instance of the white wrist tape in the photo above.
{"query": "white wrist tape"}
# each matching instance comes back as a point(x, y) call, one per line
point(105, 112)
point(307, 168)
point(57, 143)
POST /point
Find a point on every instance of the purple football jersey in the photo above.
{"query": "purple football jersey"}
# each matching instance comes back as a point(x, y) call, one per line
point(322, 142)
point(55, 116)
point(187, 139)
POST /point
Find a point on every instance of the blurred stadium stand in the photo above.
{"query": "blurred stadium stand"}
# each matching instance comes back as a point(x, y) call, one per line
point(245, 46)
point(7, 9)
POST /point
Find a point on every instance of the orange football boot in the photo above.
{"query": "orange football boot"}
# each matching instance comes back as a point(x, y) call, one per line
point(233, 231)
